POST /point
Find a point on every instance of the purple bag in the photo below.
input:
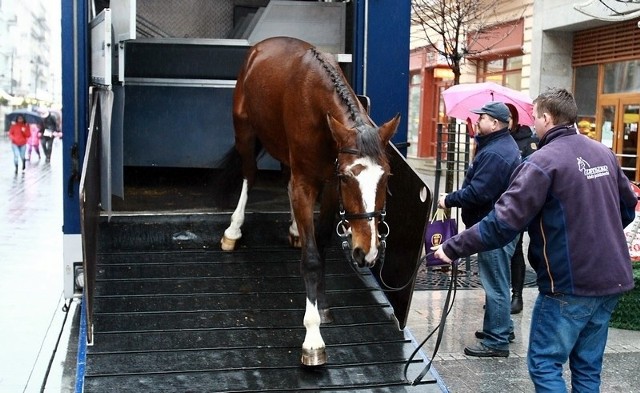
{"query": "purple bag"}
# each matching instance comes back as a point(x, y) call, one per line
point(439, 229)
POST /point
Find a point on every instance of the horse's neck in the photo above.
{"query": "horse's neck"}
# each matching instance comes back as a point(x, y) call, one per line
point(344, 96)
point(351, 116)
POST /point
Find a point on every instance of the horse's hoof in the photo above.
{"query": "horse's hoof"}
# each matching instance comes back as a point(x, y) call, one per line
point(326, 316)
point(294, 241)
point(227, 244)
point(314, 357)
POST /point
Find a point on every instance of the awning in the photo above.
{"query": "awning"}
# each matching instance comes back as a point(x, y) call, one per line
point(12, 101)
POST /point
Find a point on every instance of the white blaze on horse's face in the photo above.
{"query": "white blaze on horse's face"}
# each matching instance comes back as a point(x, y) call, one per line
point(368, 177)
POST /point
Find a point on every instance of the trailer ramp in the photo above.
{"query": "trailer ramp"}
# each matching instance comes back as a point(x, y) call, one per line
point(172, 313)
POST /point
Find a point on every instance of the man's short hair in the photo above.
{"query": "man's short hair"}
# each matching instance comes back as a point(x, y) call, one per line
point(559, 103)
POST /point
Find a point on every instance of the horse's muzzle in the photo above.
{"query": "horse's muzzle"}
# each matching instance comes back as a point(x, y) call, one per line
point(361, 260)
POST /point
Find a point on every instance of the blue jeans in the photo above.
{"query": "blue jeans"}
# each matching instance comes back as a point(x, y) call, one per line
point(495, 275)
point(569, 327)
point(18, 153)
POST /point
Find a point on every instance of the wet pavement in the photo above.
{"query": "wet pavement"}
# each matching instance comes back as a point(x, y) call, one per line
point(38, 336)
point(31, 299)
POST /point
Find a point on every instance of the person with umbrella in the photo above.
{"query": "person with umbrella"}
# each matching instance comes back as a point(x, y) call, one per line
point(497, 156)
point(19, 134)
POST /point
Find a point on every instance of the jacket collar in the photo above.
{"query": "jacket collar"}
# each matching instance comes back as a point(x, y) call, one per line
point(557, 132)
point(485, 139)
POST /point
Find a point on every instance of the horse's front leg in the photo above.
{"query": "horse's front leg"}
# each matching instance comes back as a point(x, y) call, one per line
point(323, 235)
point(312, 270)
point(234, 232)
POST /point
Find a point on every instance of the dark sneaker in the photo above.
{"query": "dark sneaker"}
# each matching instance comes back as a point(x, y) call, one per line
point(482, 351)
point(480, 334)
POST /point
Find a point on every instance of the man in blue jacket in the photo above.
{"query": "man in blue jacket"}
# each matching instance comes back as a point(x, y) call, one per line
point(497, 156)
point(575, 200)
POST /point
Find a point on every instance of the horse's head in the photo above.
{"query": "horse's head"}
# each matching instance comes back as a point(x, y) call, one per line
point(363, 170)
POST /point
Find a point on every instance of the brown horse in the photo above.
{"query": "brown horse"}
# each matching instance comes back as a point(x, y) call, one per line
point(297, 103)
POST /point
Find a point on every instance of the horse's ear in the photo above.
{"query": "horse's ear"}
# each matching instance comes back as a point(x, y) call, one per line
point(341, 134)
point(388, 129)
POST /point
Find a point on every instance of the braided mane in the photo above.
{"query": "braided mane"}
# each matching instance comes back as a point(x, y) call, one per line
point(368, 140)
point(341, 89)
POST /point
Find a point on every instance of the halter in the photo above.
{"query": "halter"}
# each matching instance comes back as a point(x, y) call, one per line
point(341, 228)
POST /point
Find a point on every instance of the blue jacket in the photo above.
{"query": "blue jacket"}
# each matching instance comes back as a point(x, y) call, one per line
point(575, 200)
point(497, 156)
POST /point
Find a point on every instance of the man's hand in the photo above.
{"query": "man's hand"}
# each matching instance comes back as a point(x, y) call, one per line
point(441, 201)
point(439, 253)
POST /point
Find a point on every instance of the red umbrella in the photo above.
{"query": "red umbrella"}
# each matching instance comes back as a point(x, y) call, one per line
point(459, 100)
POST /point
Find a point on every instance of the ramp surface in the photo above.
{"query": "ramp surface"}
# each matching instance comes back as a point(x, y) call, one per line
point(173, 313)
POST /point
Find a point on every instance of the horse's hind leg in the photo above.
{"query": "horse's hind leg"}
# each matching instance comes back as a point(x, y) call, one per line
point(245, 145)
point(233, 232)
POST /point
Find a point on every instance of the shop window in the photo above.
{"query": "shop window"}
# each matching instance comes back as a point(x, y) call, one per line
point(622, 77)
point(414, 114)
point(585, 93)
point(505, 71)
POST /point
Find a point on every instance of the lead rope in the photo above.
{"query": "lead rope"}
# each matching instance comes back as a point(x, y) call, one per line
point(448, 305)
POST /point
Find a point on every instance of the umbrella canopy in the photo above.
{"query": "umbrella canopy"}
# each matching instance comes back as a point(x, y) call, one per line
point(459, 100)
point(29, 117)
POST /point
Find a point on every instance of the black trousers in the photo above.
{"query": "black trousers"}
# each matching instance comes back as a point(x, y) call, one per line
point(47, 145)
point(517, 268)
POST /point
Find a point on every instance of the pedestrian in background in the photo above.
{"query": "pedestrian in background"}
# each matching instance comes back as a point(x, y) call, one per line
point(496, 157)
point(527, 143)
point(50, 127)
point(33, 143)
point(19, 133)
point(576, 214)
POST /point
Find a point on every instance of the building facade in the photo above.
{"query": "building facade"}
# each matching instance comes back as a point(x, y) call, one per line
point(501, 53)
point(29, 53)
point(591, 48)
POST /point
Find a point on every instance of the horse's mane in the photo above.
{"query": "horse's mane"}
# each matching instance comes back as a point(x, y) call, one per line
point(368, 139)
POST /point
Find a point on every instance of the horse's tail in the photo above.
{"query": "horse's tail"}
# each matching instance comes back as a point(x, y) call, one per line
point(228, 180)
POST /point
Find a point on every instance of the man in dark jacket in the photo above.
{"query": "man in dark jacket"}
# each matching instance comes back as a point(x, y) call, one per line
point(497, 156)
point(575, 199)
point(48, 133)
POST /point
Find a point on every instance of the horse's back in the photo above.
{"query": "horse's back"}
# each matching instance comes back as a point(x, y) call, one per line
point(281, 92)
point(272, 66)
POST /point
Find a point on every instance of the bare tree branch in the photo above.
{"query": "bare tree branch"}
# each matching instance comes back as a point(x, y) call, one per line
point(453, 28)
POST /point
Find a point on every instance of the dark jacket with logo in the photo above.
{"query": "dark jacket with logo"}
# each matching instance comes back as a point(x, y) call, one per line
point(497, 156)
point(575, 200)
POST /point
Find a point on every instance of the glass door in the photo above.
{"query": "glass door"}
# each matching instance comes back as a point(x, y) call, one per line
point(607, 126)
point(617, 128)
point(630, 114)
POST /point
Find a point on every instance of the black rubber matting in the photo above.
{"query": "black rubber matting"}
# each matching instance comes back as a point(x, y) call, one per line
point(172, 313)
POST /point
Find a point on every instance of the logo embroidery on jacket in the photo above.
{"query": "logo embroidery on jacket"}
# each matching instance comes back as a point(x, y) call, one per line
point(589, 172)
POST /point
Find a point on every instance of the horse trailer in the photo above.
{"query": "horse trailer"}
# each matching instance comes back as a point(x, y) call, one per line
point(147, 96)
